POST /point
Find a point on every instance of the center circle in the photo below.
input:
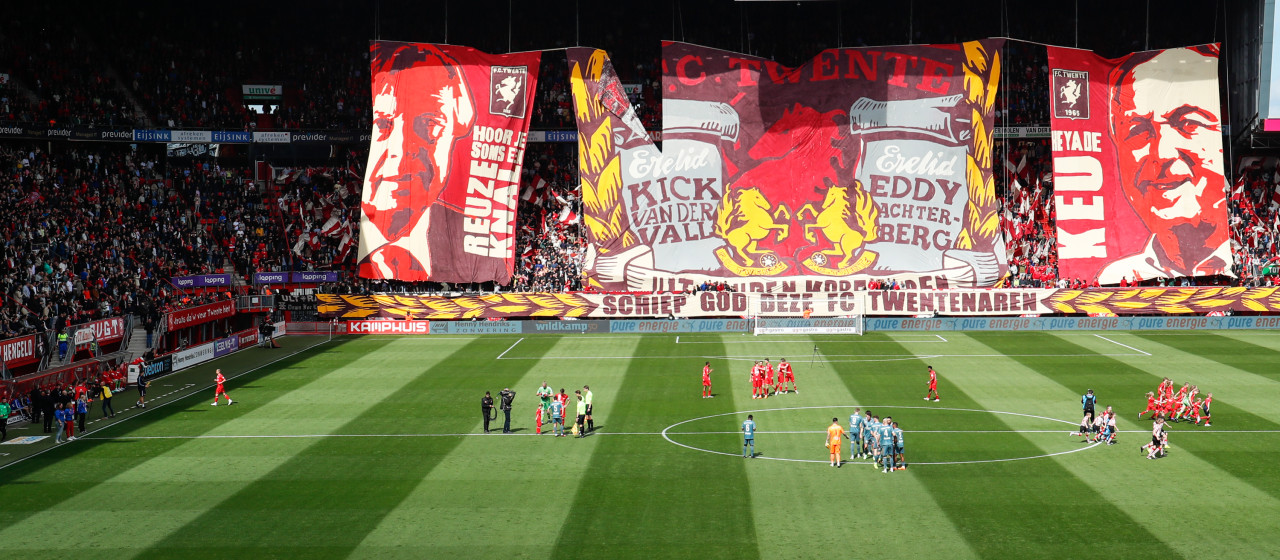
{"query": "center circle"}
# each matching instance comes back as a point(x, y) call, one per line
point(668, 433)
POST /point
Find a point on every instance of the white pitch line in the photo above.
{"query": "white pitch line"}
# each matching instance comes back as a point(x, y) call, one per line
point(513, 345)
point(146, 410)
point(1122, 344)
point(757, 341)
point(547, 433)
point(865, 357)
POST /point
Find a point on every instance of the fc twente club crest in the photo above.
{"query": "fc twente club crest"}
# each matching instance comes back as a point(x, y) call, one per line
point(507, 95)
point(1070, 94)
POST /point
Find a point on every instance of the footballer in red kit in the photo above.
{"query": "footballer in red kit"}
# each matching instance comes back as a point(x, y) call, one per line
point(785, 375)
point(757, 375)
point(706, 380)
point(933, 386)
point(1151, 405)
point(220, 391)
point(768, 377)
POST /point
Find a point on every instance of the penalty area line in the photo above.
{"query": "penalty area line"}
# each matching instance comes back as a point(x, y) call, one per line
point(1122, 344)
point(509, 348)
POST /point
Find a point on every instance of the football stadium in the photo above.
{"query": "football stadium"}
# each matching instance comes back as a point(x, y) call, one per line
point(543, 279)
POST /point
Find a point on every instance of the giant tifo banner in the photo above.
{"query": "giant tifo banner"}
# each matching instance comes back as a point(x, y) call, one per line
point(449, 131)
point(1137, 161)
point(861, 163)
point(961, 302)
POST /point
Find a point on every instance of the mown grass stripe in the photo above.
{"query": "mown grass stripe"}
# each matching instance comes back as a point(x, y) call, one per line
point(330, 494)
point(1225, 349)
point(650, 499)
point(481, 481)
point(1125, 477)
point(1005, 510)
point(1123, 381)
point(1240, 389)
point(85, 477)
point(827, 499)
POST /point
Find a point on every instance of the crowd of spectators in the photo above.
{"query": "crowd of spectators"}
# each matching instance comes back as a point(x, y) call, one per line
point(92, 231)
point(67, 80)
point(548, 232)
point(1254, 209)
point(1024, 180)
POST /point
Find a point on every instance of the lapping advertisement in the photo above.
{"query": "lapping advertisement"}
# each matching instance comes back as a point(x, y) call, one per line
point(202, 281)
point(861, 163)
point(311, 277)
point(1137, 154)
point(450, 126)
point(973, 301)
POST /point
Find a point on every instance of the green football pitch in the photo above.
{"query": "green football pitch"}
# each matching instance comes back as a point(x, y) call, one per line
point(372, 447)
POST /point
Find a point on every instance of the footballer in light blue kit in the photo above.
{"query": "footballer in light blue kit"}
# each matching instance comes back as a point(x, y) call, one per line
point(749, 436)
point(897, 446)
point(557, 417)
point(855, 432)
point(886, 443)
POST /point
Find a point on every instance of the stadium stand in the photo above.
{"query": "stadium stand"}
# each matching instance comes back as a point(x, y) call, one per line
point(225, 216)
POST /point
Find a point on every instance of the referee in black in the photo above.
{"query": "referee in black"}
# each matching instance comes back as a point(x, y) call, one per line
point(1088, 401)
point(486, 409)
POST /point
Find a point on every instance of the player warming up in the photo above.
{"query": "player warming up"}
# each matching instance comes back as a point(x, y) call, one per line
point(834, 432)
point(220, 390)
point(706, 381)
point(933, 386)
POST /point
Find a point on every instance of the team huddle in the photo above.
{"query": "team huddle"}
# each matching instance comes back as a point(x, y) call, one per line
point(871, 438)
point(763, 382)
point(1184, 405)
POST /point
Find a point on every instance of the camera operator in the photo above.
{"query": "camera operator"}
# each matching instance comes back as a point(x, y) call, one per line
point(266, 332)
point(507, 395)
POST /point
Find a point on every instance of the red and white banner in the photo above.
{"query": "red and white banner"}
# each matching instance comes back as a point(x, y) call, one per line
point(105, 331)
point(203, 314)
point(388, 327)
point(861, 163)
point(19, 351)
point(449, 130)
point(1137, 154)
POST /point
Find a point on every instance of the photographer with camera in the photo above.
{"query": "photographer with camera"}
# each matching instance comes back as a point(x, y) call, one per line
point(506, 396)
point(266, 332)
point(486, 410)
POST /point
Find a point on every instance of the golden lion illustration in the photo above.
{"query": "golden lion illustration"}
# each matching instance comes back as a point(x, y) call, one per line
point(743, 219)
point(836, 220)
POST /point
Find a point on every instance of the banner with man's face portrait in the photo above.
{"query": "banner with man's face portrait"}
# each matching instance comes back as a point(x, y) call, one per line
point(861, 164)
point(1137, 153)
point(449, 130)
